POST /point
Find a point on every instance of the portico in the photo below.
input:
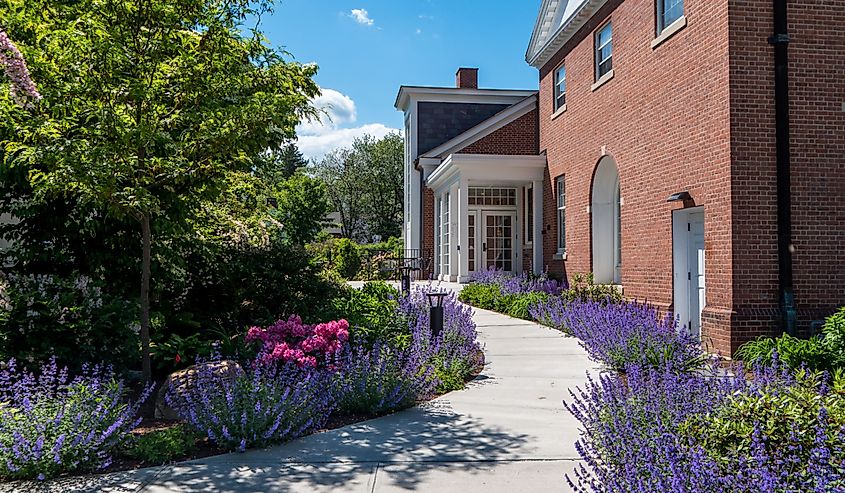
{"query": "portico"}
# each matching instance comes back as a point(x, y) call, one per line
point(488, 212)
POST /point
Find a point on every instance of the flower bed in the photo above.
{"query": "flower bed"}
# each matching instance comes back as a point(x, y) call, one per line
point(289, 379)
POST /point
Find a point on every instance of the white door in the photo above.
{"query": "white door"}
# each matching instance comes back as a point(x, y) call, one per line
point(695, 275)
point(498, 240)
point(688, 267)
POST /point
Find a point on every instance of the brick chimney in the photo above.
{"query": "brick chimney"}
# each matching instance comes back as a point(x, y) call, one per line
point(467, 78)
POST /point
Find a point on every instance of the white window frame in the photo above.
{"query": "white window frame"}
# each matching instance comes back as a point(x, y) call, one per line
point(560, 193)
point(558, 93)
point(661, 22)
point(598, 49)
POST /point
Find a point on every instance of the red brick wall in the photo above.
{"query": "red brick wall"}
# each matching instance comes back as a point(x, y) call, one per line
point(817, 148)
point(697, 114)
point(428, 230)
point(665, 119)
point(518, 138)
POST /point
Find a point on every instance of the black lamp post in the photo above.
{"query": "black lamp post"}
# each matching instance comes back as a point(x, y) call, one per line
point(405, 271)
point(435, 303)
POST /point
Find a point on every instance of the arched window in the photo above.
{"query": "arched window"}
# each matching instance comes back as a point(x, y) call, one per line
point(607, 223)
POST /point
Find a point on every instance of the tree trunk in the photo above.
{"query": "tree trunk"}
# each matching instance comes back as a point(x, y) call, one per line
point(146, 262)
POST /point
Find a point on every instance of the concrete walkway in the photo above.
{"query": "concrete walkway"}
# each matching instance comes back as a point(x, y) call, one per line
point(506, 432)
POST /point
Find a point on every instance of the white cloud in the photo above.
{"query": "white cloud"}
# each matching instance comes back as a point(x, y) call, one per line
point(419, 31)
point(335, 127)
point(362, 17)
point(317, 146)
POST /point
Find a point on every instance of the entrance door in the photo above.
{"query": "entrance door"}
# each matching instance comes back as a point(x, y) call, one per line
point(689, 268)
point(498, 240)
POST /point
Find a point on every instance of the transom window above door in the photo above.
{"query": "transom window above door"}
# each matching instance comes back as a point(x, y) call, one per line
point(492, 196)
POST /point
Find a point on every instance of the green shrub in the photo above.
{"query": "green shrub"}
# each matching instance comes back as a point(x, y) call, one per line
point(584, 288)
point(163, 446)
point(372, 316)
point(834, 337)
point(784, 413)
point(346, 257)
point(484, 296)
point(517, 305)
point(791, 351)
point(72, 318)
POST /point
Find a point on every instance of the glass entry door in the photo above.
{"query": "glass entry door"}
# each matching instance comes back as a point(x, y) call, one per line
point(497, 236)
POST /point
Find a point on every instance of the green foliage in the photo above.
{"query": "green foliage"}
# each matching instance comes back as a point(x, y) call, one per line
point(783, 414)
point(452, 376)
point(365, 186)
point(177, 352)
point(163, 446)
point(346, 258)
point(371, 313)
point(484, 296)
point(584, 288)
point(302, 207)
point(834, 337)
point(71, 318)
point(817, 353)
point(517, 305)
point(790, 350)
point(148, 110)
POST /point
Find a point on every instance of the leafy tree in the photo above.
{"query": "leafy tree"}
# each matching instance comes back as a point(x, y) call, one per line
point(365, 186)
point(148, 107)
point(345, 175)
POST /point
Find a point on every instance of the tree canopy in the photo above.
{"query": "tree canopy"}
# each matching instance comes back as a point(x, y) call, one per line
point(365, 186)
point(148, 109)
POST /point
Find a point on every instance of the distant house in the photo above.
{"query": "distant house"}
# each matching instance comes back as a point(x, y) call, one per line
point(657, 154)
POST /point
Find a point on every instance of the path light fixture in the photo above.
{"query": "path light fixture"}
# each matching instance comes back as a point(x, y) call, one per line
point(405, 279)
point(435, 303)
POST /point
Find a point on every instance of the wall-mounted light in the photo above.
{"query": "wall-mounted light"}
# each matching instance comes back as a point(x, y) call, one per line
point(679, 197)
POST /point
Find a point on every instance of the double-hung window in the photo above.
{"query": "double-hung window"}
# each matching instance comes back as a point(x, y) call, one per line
point(560, 188)
point(668, 11)
point(604, 50)
point(560, 87)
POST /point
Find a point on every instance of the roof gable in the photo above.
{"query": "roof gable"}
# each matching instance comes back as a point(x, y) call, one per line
point(557, 22)
point(483, 128)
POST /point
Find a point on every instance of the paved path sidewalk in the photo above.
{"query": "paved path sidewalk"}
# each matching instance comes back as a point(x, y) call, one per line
point(506, 432)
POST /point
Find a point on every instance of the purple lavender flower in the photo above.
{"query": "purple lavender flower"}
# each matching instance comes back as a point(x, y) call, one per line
point(14, 66)
point(53, 424)
point(255, 407)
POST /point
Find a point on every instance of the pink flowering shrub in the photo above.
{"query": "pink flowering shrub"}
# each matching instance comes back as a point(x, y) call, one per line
point(292, 341)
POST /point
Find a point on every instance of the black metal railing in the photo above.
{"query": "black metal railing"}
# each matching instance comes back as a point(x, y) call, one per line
point(394, 265)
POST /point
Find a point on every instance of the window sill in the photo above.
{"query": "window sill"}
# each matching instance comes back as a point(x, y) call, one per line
point(602, 80)
point(669, 31)
point(559, 112)
point(559, 256)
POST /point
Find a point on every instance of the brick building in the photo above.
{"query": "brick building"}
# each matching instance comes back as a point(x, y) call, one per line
point(675, 165)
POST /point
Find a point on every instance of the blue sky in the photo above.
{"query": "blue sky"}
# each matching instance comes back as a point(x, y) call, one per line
point(367, 49)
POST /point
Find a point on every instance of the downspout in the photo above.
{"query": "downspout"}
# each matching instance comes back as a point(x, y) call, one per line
point(780, 42)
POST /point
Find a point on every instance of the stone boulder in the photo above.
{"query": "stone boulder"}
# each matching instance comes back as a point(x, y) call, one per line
point(187, 378)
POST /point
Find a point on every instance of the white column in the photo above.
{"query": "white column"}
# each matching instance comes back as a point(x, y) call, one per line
point(463, 234)
point(454, 233)
point(538, 226)
point(436, 243)
point(443, 207)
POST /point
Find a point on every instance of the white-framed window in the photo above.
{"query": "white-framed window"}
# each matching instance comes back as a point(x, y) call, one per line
point(529, 215)
point(604, 50)
point(560, 188)
point(668, 11)
point(560, 87)
point(491, 196)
